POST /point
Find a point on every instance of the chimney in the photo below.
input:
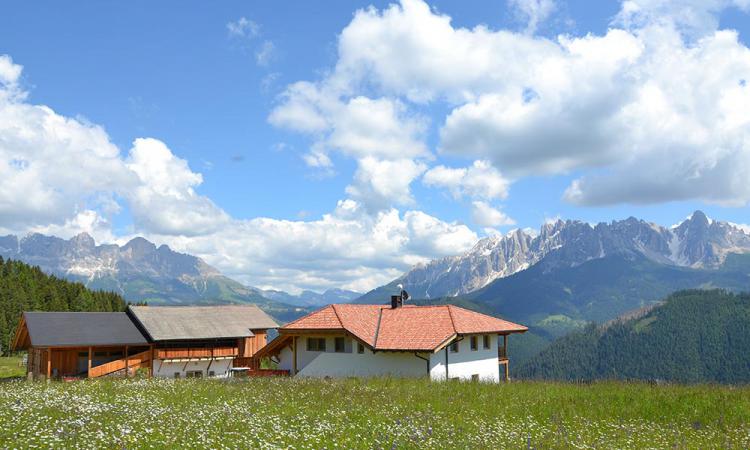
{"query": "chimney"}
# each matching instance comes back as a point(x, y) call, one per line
point(396, 301)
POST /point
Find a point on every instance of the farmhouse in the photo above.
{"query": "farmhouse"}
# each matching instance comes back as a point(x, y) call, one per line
point(179, 341)
point(442, 342)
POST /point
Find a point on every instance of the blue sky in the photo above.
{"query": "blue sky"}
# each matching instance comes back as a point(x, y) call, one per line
point(239, 153)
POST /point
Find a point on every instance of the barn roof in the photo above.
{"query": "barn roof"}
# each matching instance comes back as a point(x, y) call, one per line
point(168, 323)
point(80, 329)
point(412, 328)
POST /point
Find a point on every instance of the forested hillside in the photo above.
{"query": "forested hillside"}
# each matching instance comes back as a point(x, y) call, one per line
point(695, 336)
point(27, 288)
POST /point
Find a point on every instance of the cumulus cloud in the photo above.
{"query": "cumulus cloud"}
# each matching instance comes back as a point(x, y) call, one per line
point(485, 215)
point(62, 176)
point(647, 112)
point(480, 180)
point(378, 184)
point(347, 248)
point(164, 201)
point(533, 12)
point(695, 17)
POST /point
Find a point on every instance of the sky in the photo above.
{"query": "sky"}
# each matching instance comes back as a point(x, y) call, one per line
point(299, 147)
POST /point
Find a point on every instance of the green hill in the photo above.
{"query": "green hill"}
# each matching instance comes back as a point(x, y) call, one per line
point(555, 301)
point(695, 336)
point(27, 288)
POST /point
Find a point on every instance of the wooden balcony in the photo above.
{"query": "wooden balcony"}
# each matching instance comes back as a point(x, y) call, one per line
point(196, 353)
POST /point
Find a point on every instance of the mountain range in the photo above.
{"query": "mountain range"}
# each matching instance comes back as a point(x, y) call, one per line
point(697, 242)
point(142, 272)
point(572, 273)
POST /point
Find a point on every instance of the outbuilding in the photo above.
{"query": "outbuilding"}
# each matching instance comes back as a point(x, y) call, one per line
point(165, 341)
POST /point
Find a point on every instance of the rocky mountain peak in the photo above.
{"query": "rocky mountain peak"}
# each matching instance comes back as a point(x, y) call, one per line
point(83, 241)
point(696, 242)
point(139, 247)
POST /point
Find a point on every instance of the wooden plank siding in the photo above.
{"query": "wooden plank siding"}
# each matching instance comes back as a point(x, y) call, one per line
point(194, 353)
point(132, 362)
point(249, 346)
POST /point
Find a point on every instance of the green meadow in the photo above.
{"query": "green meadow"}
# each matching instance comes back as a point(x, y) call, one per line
point(11, 367)
point(369, 413)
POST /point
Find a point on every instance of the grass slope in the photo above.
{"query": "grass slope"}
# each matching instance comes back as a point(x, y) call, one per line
point(10, 367)
point(694, 336)
point(375, 413)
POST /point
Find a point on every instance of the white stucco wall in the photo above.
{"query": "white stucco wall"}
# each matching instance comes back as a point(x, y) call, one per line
point(220, 367)
point(462, 364)
point(467, 362)
point(367, 364)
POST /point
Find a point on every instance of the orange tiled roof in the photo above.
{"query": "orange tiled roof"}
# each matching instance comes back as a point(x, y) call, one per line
point(406, 328)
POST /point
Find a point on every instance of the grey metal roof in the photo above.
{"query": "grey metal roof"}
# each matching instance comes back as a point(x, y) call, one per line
point(167, 323)
point(81, 329)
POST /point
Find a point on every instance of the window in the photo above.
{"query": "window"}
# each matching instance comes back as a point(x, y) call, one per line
point(342, 345)
point(474, 343)
point(194, 374)
point(211, 373)
point(177, 374)
point(454, 347)
point(486, 341)
point(360, 347)
point(316, 344)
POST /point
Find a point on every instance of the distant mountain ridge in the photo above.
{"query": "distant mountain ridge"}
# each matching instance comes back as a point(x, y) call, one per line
point(313, 299)
point(139, 271)
point(697, 242)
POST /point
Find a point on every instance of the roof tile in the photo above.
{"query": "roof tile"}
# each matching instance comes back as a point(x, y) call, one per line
point(407, 328)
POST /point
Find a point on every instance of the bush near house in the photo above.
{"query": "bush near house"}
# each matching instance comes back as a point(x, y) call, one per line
point(372, 413)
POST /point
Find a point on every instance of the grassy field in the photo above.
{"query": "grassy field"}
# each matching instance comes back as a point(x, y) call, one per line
point(10, 367)
point(378, 413)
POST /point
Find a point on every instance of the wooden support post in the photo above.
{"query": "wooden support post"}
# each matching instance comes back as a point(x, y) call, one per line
point(294, 355)
point(507, 371)
point(49, 363)
point(88, 373)
point(127, 362)
point(151, 365)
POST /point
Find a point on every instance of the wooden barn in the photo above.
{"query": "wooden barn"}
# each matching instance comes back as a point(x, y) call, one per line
point(74, 344)
point(198, 341)
point(179, 341)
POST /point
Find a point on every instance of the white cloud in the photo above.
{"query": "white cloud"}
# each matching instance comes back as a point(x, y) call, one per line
point(357, 127)
point(646, 113)
point(265, 53)
point(534, 12)
point(695, 17)
point(483, 214)
point(480, 180)
point(243, 27)
point(165, 201)
point(348, 248)
point(63, 176)
point(378, 184)
point(51, 166)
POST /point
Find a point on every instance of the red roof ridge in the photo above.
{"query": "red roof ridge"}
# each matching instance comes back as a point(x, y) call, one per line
point(377, 329)
point(335, 312)
point(450, 314)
